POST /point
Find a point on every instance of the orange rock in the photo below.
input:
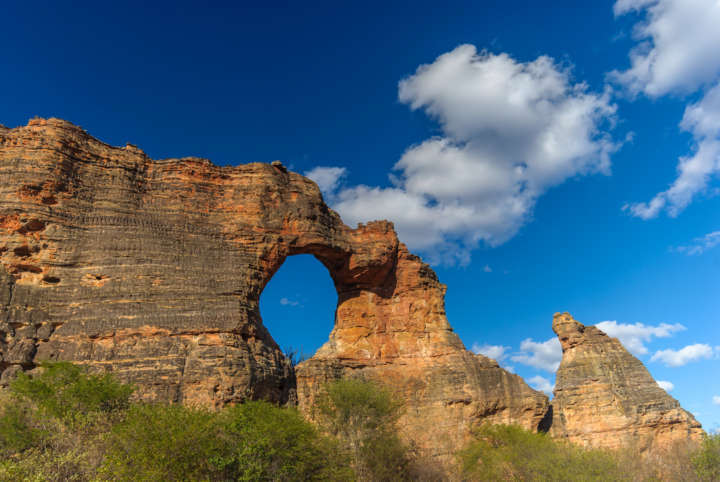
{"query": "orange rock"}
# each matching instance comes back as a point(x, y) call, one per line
point(154, 270)
point(605, 397)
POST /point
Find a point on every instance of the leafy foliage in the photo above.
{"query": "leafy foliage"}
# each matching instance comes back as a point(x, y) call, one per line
point(64, 424)
point(64, 390)
point(506, 452)
point(707, 460)
point(363, 416)
point(252, 441)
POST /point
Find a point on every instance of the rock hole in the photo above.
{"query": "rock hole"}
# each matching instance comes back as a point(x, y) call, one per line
point(53, 280)
point(22, 251)
point(30, 268)
point(298, 305)
point(34, 225)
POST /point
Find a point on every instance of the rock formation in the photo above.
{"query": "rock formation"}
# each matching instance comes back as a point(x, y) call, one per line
point(154, 270)
point(605, 397)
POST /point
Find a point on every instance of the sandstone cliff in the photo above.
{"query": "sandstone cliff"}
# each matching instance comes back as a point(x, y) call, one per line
point(605, 397)
point(154, 270)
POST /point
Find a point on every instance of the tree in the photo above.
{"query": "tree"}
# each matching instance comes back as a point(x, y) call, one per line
point(363, 415)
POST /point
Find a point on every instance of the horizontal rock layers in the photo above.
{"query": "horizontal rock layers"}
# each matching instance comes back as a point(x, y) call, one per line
point(605, 397)
point(154, 269)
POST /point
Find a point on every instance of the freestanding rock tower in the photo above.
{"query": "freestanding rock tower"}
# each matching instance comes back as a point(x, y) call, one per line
point(605, 397)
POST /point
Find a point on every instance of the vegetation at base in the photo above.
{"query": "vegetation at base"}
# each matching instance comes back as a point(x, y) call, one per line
point(363, 416)
point(507, 452)
point(510, 453)
point(64, 424)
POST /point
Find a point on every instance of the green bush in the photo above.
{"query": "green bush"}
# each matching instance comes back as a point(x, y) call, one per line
point(53, 423)
point(706, 461)
point(163, 442)
point(363, 415)
point(17, 430)
point(252, 441)
point(269, 443)
point(506, 452)
point(68, 392)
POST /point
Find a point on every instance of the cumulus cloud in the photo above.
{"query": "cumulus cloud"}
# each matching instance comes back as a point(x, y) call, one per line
point(677, 53)
point(678, 358)
point(677, 45)
point(634, 336)
point(701, 244)
point(716, 399)
point(327, 178)
point(541, 384)
point(665, 385)
point(544, 355)
point(496, 352)
point(510, 131)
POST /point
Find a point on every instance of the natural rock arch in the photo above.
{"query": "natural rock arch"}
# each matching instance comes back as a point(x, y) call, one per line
point(154, 270)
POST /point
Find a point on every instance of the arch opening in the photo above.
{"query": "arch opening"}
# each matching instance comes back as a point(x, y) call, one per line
point(298, 304)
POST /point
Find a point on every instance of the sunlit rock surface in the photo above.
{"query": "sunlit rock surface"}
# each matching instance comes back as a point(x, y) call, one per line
point(153, 269)
point(605, 397)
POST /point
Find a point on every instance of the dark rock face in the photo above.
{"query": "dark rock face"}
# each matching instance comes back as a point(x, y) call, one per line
point(154, 269)
point(605, 397)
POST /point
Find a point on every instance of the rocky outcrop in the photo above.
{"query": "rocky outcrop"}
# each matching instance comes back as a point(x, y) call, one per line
point(605, 397)
point(154, 270)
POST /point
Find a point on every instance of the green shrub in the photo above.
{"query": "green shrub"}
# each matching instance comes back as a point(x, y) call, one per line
point(706, 461)
point(68, 392)
point(17, 430)
point(163, 442)
point(363, 415)
point(53, 423)
point(252, 441)
point(506, 452)
point(269, 443)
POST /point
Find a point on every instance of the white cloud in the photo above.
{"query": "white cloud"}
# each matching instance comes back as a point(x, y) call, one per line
point(716, 400)
point(701, 244)
point(487, 269)
point(496, 352)
point(678, 358)
point(544, 355)
point(510, 131)
point(695, 171)
point(289, 302)
point(677, 53)
point(665, 385)
point(542, 384)
point(327, 178)
point(677, 46)
point(634, 336)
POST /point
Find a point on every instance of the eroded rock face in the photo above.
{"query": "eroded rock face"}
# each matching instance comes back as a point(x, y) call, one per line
point(605, 397)
point(154, 270)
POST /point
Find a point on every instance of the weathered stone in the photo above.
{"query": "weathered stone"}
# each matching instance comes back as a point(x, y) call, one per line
point(605, 397)
point(154, 270)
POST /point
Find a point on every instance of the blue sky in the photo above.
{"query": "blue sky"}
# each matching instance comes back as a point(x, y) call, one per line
point(556, 156)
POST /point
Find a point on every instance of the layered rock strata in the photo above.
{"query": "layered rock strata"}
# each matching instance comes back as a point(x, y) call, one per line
point(154, 270)
point(605, 397)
